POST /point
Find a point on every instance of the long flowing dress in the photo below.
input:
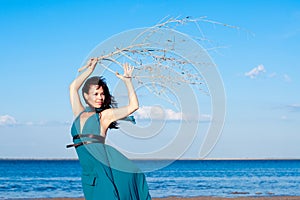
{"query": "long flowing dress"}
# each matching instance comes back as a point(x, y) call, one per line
point(106, 173)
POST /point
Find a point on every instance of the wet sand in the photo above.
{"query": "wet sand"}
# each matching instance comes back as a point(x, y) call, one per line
point(203, 198)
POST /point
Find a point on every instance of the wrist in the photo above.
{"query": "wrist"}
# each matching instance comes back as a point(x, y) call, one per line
point(127, 79)
point(90, 67)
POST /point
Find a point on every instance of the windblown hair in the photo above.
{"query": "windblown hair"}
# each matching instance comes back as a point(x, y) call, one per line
point(109, 100)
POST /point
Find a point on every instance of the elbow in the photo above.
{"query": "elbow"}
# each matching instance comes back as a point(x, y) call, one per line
point(134, 107)
point(73, 86)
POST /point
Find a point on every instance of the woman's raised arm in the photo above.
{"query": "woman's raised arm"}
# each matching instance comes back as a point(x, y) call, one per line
point(76, 104)
point(115, 114)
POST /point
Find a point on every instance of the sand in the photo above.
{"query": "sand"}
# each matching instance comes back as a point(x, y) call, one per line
point(204, 198)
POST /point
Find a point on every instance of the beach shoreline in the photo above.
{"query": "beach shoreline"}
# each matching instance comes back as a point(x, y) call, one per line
point(200, 198)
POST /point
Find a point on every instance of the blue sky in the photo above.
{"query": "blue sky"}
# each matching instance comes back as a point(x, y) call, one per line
point(43, 43)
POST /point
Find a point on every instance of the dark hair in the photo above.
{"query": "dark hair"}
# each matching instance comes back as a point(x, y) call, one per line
point(109, 100)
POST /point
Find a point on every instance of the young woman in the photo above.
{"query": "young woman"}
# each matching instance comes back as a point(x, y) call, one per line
point(106, 173)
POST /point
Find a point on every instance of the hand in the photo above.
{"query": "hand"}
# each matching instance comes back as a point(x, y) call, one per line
point(91, 64)
point(128, 69)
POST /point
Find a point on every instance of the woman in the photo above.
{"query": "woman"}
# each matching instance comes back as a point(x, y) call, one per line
point(106, 173)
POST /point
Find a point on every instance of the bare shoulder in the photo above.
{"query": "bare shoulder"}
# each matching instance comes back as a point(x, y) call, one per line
point(106, 114)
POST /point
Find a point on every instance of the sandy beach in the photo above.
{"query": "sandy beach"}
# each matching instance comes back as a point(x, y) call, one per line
point(204, 198)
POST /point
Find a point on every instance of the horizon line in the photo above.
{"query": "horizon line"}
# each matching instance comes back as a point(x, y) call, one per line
point(155, 159)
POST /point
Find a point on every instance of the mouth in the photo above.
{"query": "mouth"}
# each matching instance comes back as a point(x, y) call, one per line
point(99, 103)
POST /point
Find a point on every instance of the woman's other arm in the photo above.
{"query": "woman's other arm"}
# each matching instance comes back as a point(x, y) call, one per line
point(115, 114)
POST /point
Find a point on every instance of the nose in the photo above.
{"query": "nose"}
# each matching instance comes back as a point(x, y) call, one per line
point(99, 96)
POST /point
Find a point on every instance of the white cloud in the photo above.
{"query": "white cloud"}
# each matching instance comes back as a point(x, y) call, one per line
point(205, 118)
point(6, 120)
point(158, 113)
point(255, 71)
point(260, 69)
point(294, 107)
point(54, 123)
point(46, 123)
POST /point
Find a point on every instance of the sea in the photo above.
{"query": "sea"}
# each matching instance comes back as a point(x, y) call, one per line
point(21, 179)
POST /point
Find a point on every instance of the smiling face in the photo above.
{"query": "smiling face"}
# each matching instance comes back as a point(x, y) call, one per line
point(95, 96)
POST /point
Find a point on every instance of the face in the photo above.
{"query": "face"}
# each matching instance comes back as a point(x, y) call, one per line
point(95, 97)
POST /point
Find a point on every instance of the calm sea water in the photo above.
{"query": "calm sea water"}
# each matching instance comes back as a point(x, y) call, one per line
point(61, 178)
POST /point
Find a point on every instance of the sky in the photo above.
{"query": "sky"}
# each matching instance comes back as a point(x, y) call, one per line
point(43, 43)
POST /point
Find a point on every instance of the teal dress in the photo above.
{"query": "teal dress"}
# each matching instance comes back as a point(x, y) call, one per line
point(106, 173)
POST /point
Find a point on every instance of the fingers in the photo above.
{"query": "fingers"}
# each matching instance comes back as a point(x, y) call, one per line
point(92, 62)
point(128, 68)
